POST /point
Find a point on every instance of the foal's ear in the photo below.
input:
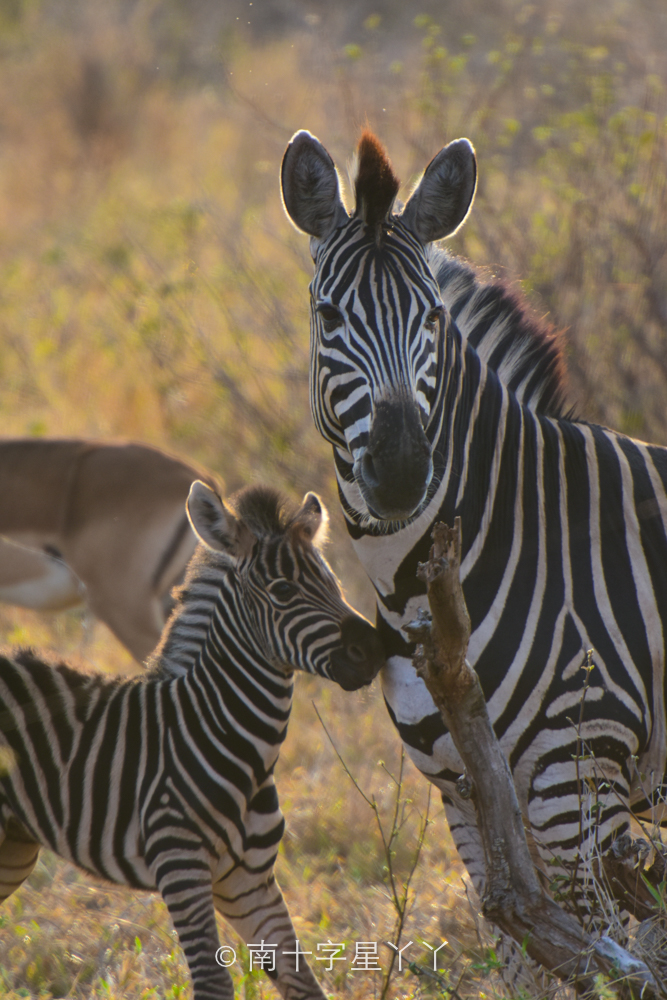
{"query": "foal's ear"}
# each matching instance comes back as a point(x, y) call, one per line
point(312, 520)
point(310, 187)
point(214, 525)
point(442, 198)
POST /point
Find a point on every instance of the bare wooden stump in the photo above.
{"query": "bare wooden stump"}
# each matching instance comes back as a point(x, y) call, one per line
point(624, 872)
point(514, 898)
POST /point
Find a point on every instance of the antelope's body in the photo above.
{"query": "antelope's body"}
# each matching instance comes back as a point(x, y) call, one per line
point(104, 523)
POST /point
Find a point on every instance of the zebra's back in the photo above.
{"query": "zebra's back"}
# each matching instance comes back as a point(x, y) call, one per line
point(64, 782)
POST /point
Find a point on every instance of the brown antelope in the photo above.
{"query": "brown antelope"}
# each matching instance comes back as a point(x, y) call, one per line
point(105, 523)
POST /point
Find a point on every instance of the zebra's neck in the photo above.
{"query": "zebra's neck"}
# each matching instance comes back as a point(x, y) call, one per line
point(186, 631)
point(209, 646)
point(211, 618)
point(524, 350)
point(479, 433)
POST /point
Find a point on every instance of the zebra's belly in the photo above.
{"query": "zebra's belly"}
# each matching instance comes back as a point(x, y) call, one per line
point(130, 870)
point(133, 873)
point(101, 861)
point(97, 858)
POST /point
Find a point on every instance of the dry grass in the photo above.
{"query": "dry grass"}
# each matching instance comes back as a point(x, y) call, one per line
point(151, 288)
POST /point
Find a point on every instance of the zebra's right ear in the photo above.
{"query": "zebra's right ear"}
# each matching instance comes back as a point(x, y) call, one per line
point(214, 525)
point(312, 521)
point(442, 198)
point(310, 187)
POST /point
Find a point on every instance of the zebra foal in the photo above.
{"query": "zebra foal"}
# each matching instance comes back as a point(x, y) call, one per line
point(166, 781)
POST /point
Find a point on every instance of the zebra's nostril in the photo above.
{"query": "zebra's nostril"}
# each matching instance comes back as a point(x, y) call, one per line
point(395, 468)
point(356, 654)
point(368, 470)
point(360, 655)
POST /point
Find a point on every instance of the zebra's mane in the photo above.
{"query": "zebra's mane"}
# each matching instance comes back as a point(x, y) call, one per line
point(188, 624)
point(524, 350)
point(375, 183)
point(264, 510)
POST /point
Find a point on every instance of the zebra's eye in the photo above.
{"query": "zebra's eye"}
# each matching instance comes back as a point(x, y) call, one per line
point(433, 318)
point(283, 590)
point(331, 316)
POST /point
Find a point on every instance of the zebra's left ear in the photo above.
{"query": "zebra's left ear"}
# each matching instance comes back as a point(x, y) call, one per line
point(442, 198)
point(214, 525)
point(312, 520)
point(310, 187)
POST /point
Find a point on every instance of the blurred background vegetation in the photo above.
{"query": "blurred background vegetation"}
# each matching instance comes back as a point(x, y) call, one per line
point(151, 288)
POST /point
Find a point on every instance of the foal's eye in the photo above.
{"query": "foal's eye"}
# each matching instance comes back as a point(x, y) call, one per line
point(283, 590)
point(331, 316)
point(433, 318)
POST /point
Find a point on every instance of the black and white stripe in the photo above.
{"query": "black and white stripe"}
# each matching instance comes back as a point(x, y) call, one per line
point(166, 781)
point(564, 524)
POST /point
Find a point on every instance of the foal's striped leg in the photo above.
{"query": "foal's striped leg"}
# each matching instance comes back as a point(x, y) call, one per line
point(255, 908)
point(184, 879)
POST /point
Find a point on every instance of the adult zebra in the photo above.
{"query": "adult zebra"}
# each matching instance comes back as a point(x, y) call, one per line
point(564, 523)
point(166, 781)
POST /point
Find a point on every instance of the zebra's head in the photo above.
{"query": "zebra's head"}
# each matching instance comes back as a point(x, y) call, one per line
point(282, 586)
point(377, 319)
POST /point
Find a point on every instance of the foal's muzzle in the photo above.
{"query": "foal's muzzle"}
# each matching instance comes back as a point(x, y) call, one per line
point(360, 655)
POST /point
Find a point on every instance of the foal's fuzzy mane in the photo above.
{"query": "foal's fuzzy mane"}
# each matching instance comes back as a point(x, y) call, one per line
point(264, 510)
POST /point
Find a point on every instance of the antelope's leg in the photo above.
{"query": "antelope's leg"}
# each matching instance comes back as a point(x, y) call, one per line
point(18, 856)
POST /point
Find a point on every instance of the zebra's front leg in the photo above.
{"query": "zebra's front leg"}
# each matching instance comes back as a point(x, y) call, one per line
point(186, 887)
point(518, 972)
point(254, 906)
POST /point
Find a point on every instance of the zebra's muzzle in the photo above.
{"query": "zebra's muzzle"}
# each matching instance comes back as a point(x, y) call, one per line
point(360, 655)
point(393, 472)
